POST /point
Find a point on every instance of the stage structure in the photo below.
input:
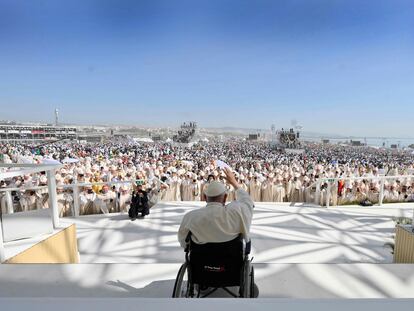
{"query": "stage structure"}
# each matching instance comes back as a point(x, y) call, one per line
point(287, 140)
point(186, 133)
point(253, 137)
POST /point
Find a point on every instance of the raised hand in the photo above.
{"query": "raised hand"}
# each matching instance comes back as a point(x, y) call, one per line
point(230, 178)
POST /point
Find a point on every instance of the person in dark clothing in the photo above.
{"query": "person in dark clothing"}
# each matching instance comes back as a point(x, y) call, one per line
point(139, 203)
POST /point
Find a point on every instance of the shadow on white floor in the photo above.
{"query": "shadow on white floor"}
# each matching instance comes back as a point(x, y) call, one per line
point(157, 280)
point(280, 234)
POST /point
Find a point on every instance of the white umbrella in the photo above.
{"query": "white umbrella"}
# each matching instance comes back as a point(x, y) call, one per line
point(70, 160)
point(50, 161)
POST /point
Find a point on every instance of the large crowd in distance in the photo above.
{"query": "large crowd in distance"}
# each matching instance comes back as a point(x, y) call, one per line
point(180, 173)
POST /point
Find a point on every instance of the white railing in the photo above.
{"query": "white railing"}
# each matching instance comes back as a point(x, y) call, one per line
point(317, 194)
point(330, 181)
point(24, 169)
point(74, 190)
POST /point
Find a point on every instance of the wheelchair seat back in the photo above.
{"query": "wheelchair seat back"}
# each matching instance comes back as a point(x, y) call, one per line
point(217, 264)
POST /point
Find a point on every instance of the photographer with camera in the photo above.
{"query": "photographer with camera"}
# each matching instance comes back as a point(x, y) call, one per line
point(139, 202)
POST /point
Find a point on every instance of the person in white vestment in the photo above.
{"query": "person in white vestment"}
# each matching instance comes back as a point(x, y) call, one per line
point(296, 190)
point(105, 200)
point(242, 183)
point(279, 193)
point(124, 198)
point(288, 188)
point(86, 199)
point(186, 188)
point(175, 187)
point(196, 188)
point(268, 189)
point(256, 189)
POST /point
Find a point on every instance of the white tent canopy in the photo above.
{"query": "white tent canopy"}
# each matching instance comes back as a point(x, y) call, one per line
point(70, 160)
point(143, 140)
point(50, 161)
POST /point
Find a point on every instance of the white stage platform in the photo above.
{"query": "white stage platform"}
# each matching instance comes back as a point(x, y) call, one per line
point(13, 248)
point(40, 304)
point(298, 281)
point(299, 252)
point(280, 234)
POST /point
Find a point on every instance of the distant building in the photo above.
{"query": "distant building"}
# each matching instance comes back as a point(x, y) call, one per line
point(36, 133)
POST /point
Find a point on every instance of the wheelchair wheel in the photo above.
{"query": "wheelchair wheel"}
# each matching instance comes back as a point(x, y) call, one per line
point(182, 286)
point(247, 285)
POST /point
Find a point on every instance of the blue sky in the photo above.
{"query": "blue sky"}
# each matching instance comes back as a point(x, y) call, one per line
point(343, 67)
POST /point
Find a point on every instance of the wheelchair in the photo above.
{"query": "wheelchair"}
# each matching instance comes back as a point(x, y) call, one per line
point(212, 266)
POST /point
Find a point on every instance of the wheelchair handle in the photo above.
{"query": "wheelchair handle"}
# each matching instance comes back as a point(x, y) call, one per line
point(248, 248)
point(187, 242)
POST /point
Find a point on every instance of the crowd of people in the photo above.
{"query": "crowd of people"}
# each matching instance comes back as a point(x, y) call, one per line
point(180, 173)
